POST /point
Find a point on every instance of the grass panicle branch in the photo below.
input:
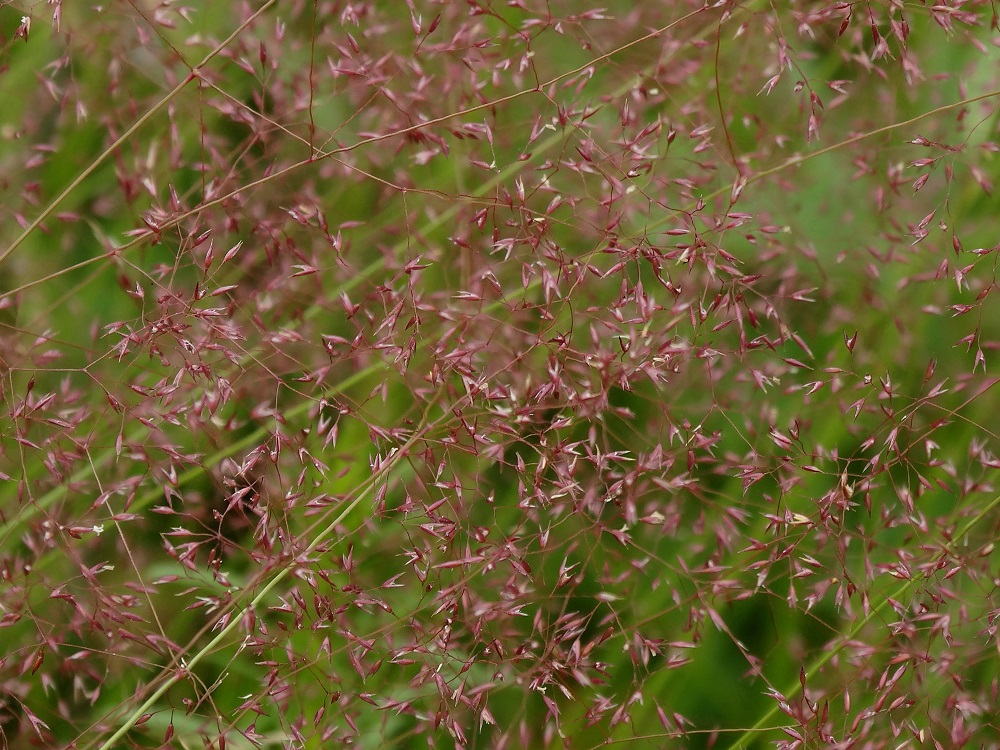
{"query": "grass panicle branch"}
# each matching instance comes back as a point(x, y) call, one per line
point(487, 374)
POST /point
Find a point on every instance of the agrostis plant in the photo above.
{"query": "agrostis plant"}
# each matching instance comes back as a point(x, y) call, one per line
point(480, 374)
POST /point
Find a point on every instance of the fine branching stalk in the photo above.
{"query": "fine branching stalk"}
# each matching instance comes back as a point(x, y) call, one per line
point(473, 375)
